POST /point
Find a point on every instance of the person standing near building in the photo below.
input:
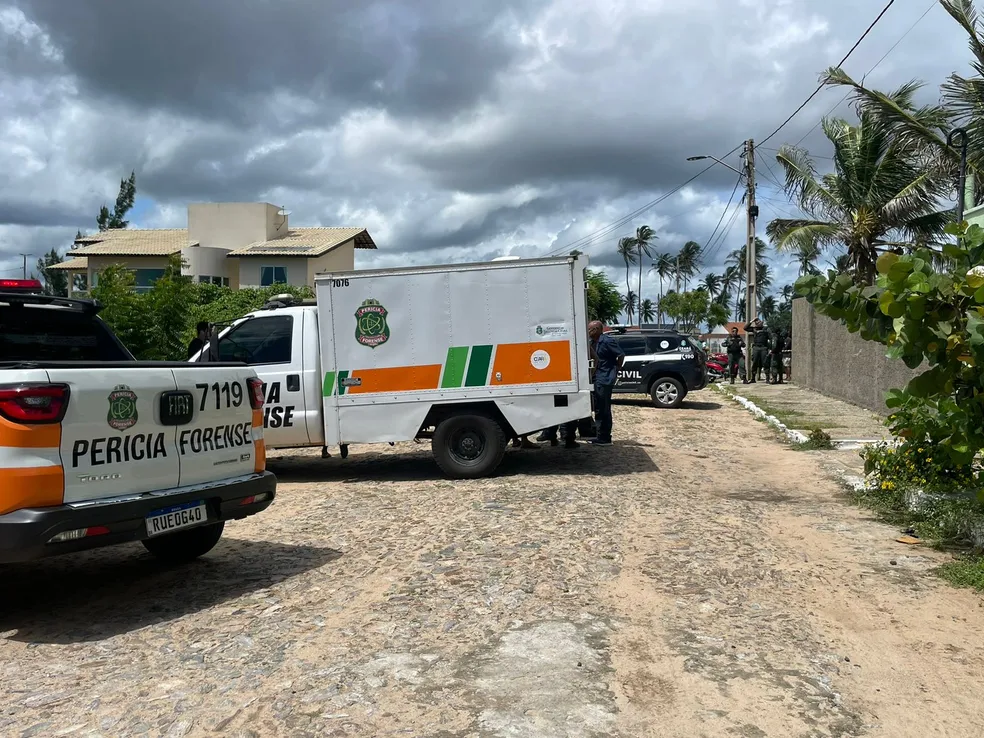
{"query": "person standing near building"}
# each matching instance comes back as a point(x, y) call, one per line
point(760, 349)
point(775, 351)
point(733, 345)
point(609, 361)
point(787, 357)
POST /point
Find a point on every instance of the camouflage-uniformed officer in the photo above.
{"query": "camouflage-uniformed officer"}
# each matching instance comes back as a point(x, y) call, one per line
point(733, 345)
point(760, 348)
point(775, 354)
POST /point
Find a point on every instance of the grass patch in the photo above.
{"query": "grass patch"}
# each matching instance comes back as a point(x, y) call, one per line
point(966, 571)
point(818, 440)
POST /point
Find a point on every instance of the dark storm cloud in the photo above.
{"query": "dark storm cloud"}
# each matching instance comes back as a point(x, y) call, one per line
point(226, 59)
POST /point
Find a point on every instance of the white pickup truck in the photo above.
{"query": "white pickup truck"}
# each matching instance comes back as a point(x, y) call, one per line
point(467, 355)
point(98, 449)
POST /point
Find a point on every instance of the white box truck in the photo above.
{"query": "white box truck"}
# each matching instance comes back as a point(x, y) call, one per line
point(468, 355)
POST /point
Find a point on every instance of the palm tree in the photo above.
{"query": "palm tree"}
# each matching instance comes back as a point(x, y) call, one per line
point(688, 261)
point(643, 241)
point(763, 277)
point(879, 196)
point(663, 266)
point(647, 311)
point(711, 284)
point(806, 257)
point(787, 292)
point(767, 307)
point(926, 127)
point(626, 249)
point(629, 303)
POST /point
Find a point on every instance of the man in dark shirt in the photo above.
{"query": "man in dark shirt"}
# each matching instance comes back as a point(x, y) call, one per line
point(760, 348)
point(609, 361)
point(734, 345)
point(199, 341)
point(775, 350)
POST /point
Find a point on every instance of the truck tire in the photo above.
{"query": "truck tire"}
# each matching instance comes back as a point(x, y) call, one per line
point(185, 545)
point(468, 446)
point(667, 392)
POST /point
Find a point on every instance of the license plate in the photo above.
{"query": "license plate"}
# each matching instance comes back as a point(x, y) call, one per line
point(175, 518)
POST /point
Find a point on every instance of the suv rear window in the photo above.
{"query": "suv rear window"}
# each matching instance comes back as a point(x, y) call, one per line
point(32, 333)
point(633, 345)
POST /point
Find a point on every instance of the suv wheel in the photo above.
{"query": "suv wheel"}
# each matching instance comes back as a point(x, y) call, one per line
point(667, 392)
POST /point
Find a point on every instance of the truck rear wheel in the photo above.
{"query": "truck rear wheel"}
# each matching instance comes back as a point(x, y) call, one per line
point(185, 545)
point(468, 446)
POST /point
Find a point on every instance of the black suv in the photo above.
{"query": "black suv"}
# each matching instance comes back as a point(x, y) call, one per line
point(663, 364)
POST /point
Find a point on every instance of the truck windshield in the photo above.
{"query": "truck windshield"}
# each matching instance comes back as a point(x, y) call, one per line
point(36, 333)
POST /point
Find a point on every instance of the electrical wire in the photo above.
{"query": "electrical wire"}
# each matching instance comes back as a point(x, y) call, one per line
point(873, 68)
point(602, 233)
point(723, 214)
point(839, 64)
point(712, 250)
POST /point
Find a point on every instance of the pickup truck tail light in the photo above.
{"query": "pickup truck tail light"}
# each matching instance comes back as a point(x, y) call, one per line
point(255, 392)
point(34, 403)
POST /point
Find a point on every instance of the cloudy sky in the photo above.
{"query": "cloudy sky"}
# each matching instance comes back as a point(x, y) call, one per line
point(452, 131)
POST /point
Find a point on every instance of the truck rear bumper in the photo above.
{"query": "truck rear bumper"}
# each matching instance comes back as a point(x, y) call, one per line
point(25, 535)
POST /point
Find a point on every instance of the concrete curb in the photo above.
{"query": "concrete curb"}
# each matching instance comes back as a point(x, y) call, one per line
point(795, 436)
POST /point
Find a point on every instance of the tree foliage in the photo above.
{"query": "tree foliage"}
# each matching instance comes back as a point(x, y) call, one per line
point(124, 202)
point(880, 196)
point(55, 281)
point(690, 310)
point(924, 317)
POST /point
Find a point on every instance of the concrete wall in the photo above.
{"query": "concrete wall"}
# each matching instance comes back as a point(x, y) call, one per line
point(339, 259)
point(204, 261)
point(831, 360)
point(232, 225)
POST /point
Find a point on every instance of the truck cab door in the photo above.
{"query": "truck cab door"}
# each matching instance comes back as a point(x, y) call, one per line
point(271, 345)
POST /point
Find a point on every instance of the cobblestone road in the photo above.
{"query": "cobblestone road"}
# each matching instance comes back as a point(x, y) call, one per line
point(696, 579)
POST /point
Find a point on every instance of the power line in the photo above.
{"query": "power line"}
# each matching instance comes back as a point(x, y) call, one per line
point(873, 68)
point(594, 237)
point(601, 233)
point(839, 64)
point(724, 235)
point(723, 213)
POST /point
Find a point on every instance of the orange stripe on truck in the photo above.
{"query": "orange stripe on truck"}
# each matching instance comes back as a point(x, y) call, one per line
point(42, 486)
point(15, 435)
point(531, 363)
point(396, 379)
point(259, 445)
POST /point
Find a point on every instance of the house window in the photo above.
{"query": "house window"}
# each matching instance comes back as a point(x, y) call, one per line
point(225, 281)
point(143, 279)
point(272, 275)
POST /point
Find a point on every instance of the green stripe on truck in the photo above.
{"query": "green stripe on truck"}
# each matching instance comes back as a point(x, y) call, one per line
point(329, 386)
point(342, 376)
point(478, 366)
point(454, 367)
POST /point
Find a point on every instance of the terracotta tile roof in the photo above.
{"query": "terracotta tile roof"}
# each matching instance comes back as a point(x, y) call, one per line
point(133, 242)
point(79, 263)
point(310, 242)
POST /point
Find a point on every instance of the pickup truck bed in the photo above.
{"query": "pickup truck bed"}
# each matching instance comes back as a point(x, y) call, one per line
point(103, 449)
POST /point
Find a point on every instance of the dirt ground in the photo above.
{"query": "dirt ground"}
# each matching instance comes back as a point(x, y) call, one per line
point(697, 579)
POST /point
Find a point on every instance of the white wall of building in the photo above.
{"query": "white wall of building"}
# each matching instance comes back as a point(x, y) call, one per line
point(205, 261)
point(232, 225)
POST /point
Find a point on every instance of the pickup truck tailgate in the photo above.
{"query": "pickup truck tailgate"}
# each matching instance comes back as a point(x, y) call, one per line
point(144, 428)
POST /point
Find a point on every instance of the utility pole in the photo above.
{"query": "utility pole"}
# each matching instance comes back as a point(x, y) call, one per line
point(677, 272)
point(25, 264)
point(751, 309)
